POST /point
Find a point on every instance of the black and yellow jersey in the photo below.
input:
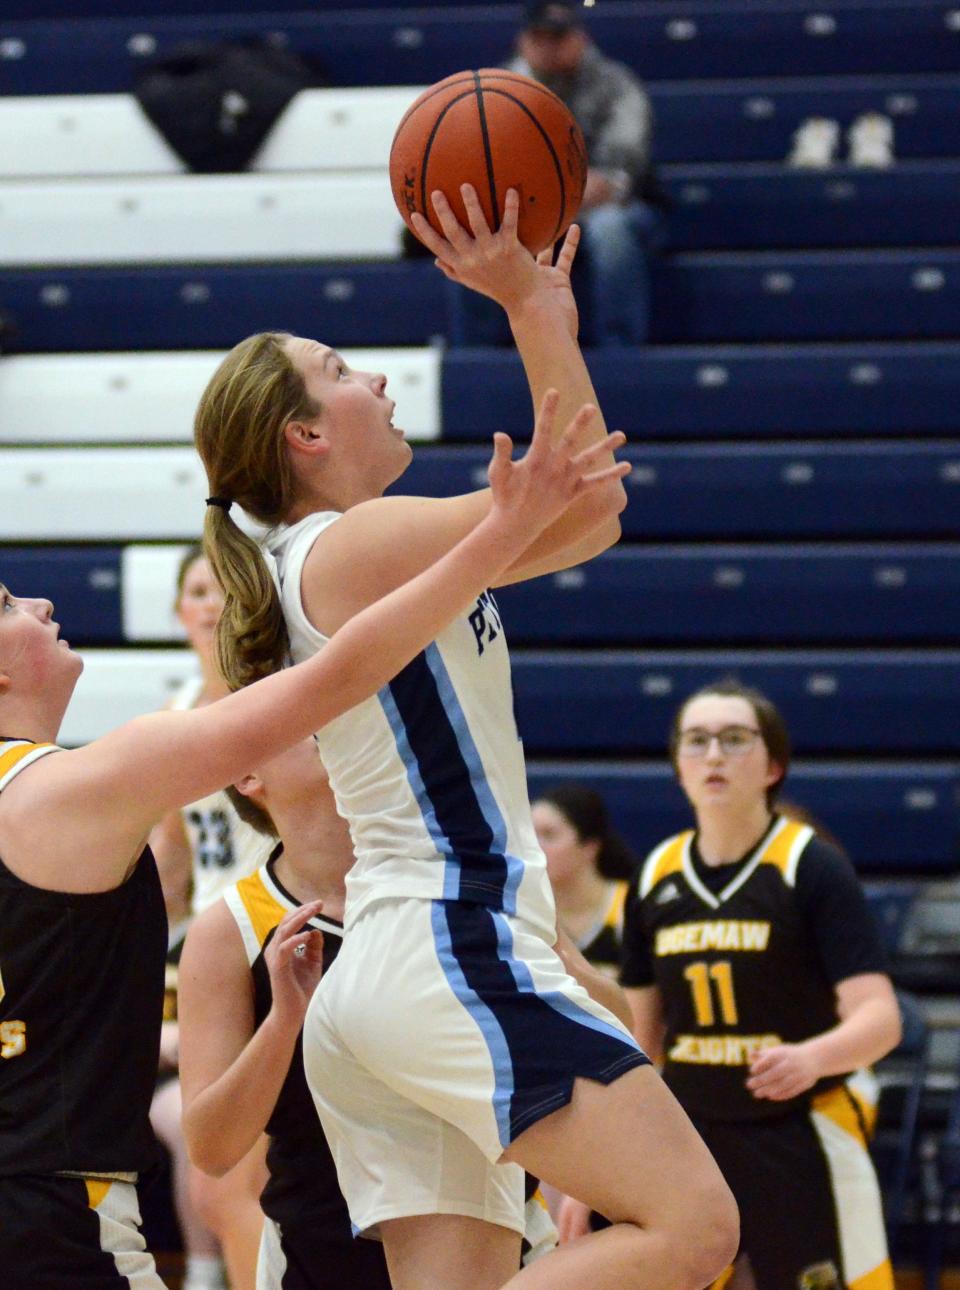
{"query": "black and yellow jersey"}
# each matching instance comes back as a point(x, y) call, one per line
point(745, 955)
point(302, 1186)
point(601, 943)
point(81, 1001)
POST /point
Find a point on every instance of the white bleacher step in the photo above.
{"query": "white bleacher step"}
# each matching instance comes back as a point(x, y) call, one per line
point(152, 397)
point(108, 134)
point(118, 685)
point(212, 218)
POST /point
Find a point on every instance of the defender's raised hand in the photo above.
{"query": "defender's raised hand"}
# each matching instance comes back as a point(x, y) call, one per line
point(554, 472)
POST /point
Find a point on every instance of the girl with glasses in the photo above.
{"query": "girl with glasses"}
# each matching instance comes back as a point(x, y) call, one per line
point(756, 976)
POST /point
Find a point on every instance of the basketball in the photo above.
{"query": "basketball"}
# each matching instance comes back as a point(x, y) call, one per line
point(496, 130)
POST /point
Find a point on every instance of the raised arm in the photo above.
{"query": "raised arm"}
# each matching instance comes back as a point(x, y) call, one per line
point(539, 304)
point(131, 777)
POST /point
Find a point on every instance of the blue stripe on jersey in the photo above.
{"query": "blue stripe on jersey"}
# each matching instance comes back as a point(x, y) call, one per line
point(478, 777)
point(445, 775)
point(484, 1017)
point(545, 1047)
point(437, 836)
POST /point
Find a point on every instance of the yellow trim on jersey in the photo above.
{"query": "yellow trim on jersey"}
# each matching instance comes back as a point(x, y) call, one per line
point(723, 1279)
point(17, 751)
point(785, 846)
point(665, 859)
point(614, 915)
point(263, 911)
point(881, 1278)
point(97, 1189)
point(836, 1106)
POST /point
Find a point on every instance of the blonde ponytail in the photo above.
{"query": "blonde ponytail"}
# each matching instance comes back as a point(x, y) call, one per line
point(238, 431)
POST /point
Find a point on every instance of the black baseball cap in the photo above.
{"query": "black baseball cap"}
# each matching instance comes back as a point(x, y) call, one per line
point(550, 16)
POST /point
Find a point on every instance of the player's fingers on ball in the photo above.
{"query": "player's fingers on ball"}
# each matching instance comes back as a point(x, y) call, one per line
point(454, 231)
point(475, 216)
point(427, 234)
point(545, 257)
point(511, 212)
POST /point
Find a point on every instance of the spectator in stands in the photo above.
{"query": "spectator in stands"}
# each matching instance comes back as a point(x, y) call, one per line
point(622, 211)
point(589, 865)
point(755, 972)
point(200, 850)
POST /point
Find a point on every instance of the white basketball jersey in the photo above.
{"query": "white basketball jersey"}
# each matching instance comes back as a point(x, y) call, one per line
point(429, 773)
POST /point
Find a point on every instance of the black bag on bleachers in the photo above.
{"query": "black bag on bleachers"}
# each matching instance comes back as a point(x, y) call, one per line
point(215, 104)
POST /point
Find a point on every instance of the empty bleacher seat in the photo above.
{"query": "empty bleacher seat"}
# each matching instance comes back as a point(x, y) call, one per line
point(719, 491)
point(606, 701)
point(137, 398)
point(825, 490)
point(759, 205)
point(211, 306)
point(334, 215)
point(639, 596)
point(889, 817)
point(807, 295)
point(727, 390)
point(690, 594)
point(834, 702)
point(213, 218)
point(404, 46)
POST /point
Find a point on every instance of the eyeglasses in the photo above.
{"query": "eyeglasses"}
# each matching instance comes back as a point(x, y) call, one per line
point(734, 741)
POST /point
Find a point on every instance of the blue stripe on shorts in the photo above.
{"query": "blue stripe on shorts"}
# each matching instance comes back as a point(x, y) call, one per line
point(539, 1043)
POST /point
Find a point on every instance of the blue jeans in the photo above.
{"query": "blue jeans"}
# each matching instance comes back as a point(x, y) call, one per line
point(618, 241)
point(611, 280)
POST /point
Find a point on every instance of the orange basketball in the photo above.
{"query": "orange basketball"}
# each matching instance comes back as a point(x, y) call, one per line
point(496, 130)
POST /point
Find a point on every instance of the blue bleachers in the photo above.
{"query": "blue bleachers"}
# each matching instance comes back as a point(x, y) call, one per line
point(726, 491)
point(682, 41)
point(755, 120)
point(708, 297)
point(83, 583)
point(807, 295)
point(741, 594)
point(212, 306)
point(889, 818)
point(657, 595)
point(724, 207)
point(618, 701)
point(892, 389)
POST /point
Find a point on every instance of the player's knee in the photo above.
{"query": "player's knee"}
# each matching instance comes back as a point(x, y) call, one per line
point(716, 1237)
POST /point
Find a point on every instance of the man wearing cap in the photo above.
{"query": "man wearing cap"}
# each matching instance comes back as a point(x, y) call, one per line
point(621, 215)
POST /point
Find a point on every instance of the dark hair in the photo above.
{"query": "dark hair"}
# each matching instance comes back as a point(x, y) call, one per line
point(252, 813)
point(773, 730)
point(794, 811)
point(587, 812)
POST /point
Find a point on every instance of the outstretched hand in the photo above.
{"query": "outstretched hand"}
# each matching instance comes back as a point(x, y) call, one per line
point(497, 264)
point(554, 472)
